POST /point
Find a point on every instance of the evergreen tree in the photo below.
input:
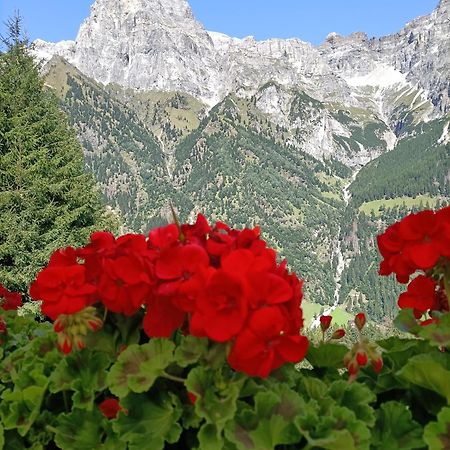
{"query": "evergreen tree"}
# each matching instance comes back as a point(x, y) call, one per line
point(47, 200)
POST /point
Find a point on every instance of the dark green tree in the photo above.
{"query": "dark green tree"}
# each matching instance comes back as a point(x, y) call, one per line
point(47, 200)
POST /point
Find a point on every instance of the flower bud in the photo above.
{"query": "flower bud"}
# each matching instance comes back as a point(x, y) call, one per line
point(110, 408)
point(361, 358)
point(377, 364)
point(192, 397)
point(325, 322)
point(79, 343)
point(360, 321)
point(338, 334)
point(3, 327)
point(58, 326)
point(64, 343)
point(353, 368)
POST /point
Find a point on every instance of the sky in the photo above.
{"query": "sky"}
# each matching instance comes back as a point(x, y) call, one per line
point(309, 20)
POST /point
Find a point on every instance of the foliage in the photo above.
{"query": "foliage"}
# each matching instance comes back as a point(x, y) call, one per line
point(114, 387)
point(45, 195)
point(50, 400)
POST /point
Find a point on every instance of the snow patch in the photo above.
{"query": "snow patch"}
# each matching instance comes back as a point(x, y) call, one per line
point(445, 137)
point(382, 76)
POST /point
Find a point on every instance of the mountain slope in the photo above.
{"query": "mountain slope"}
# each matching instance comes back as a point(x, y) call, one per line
point(323, 146)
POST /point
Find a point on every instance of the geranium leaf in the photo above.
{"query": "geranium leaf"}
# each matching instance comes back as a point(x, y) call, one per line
point(210, 437)
point(190, 350)
point(437, 334)
point(149, 424)
point(215, 405)
point(437, 434)
point(81, 430)
point(138, 366)
point(327, 355)
point(395, 428)
point(405, 321)
point(356, 397)
point(84, 373)
point(20, 408)
point(430, 372)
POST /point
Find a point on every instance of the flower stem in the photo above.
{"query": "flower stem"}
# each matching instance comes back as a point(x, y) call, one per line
point(104, 315)
point(173, 377)
point(66, 403)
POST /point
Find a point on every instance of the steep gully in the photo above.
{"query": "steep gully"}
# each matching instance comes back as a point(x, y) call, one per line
point(339, 256)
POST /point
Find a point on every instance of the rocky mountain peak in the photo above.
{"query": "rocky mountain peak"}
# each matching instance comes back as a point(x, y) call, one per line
point(173, 9)
point(159, 45)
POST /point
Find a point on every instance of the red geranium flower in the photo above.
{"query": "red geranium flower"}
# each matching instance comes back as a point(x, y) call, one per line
point(263, 345)
point(196, 233)
point(110, 408)
point(420, 295)
point(221, 308)
point(63, 290)
point(163, 317)
point(9, 300)
point(325, 322)
point(163, 237)
point(182, 271)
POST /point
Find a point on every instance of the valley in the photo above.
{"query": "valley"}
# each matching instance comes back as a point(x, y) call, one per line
point(320, 146)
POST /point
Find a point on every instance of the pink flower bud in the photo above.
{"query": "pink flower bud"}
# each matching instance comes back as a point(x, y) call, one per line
point(58, 325)
point(3, 327)
point(361, 358)
point(192, 397)
point(325, 322)
point(353, 368)
point(360, 321)
point(377, 364)
point(338, 334)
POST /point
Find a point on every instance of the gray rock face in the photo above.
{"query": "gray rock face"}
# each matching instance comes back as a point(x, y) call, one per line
point(158, 45)
point(420, 51)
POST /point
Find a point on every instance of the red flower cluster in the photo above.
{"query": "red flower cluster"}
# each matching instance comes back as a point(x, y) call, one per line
point(419, 242)
point(9, 301)
point(325, 323)
point(362, 352)
point(213, 282)
point(110, 408)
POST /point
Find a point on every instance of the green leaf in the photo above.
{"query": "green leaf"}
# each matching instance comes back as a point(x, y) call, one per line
point(395, 428)
point(210, 437)
point(190, 350)
point(2, 437)
point(356, 397)
point(327, 355)
point(81, 430)
point(216, 405)
point(437, 434)
point(430, 372)
point(149, 424)
point(405, 321)
point(270, 423)
point(138, 366)
point(84, 373)
point(399, 351)
point(313, 388)
point(438, 334)
point(20, 408)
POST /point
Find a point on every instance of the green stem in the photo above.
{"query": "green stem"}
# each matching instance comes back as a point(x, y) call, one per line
point(66, 403)
point(173, 377)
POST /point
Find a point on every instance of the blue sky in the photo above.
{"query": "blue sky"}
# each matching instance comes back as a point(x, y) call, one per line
point(309, 20)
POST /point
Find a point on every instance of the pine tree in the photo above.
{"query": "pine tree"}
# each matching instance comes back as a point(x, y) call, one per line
point(47, 200)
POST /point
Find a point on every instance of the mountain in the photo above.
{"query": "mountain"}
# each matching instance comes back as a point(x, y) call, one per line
point(323, 146)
